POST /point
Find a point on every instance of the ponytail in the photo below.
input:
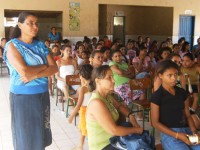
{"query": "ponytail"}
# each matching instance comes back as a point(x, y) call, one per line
point(16, 32)
point(92, 86)
point(99, 73)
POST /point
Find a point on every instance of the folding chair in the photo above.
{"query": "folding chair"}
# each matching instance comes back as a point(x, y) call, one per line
point(3, 66)
point(59, 92)
point(70, 81)
point(54, 86)
point(144, 104)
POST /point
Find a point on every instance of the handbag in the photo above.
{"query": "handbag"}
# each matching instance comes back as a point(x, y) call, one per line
point(133, 141)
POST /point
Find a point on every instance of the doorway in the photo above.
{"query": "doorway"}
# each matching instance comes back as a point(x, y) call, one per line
point(186, 28)
point(119, 28)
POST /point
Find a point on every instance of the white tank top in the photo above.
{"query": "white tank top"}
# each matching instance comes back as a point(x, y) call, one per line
point(66, 70)
point(86, 98)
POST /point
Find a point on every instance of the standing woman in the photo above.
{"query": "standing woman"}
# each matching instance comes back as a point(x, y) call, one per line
point(30, 64)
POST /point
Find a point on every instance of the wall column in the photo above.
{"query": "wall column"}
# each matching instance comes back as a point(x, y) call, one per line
point(2, 28)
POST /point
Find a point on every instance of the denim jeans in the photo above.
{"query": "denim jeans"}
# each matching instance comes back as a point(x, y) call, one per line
point(141, 75)
point(171, 143)
point(133, 141)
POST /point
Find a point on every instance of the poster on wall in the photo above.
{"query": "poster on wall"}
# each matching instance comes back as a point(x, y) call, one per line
point(74, 16)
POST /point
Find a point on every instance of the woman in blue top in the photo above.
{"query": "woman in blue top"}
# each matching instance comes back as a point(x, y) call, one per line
point(53, 36)
point(30, 64)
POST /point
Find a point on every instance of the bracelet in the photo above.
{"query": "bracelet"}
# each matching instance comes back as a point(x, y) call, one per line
point(130, 113)
point(176, 135)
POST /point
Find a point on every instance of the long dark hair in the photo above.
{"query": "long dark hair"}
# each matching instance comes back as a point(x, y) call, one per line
point(21, 18)
point(165, 65)
point(86, 71)
point(185, 44)
point(190, 56)
point(95, 52)
point(99, 73)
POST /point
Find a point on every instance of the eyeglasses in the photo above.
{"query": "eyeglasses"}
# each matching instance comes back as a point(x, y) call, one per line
point(31, 24)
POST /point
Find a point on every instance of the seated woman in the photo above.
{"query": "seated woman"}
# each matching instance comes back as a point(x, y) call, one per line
point(180, 80)
point(191, 71)
point(164, 53)
point(125, 56)
point(170, 110)
point(103, 111)
point(142, 63)
point(153, 62)
point(106, 55)
point(96, 58)
point(67, 66)
point(122, 75)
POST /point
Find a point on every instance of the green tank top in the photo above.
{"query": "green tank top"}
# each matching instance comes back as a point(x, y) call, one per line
point(119, 80)
point(98, 138)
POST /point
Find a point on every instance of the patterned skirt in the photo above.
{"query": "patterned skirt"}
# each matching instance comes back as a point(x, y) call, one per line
point(30, 121)
point(125, 92)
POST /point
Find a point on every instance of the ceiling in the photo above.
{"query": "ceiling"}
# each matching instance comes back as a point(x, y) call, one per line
point(40, 14)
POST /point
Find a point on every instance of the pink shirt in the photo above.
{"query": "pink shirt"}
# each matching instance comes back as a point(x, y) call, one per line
point(146, 62)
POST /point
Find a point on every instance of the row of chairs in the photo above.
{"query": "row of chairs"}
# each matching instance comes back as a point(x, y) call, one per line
point(3, 66)
point(70, 81)
point(146, 84)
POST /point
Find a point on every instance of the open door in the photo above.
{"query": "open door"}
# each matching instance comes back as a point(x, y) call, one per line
point(119, 28)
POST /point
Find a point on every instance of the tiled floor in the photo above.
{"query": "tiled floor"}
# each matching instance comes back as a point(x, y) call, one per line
point(65, 135)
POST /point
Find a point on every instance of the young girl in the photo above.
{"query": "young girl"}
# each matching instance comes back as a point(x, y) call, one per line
point(84, 96)
point(170, 110)
point(55, 52)
point(191, 72)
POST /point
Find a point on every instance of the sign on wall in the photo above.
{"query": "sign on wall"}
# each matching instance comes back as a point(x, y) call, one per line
point(74, 16)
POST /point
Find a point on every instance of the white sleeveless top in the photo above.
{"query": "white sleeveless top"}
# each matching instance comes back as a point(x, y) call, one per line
point(86, 98)
point(79, 60)
point(64, 71)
